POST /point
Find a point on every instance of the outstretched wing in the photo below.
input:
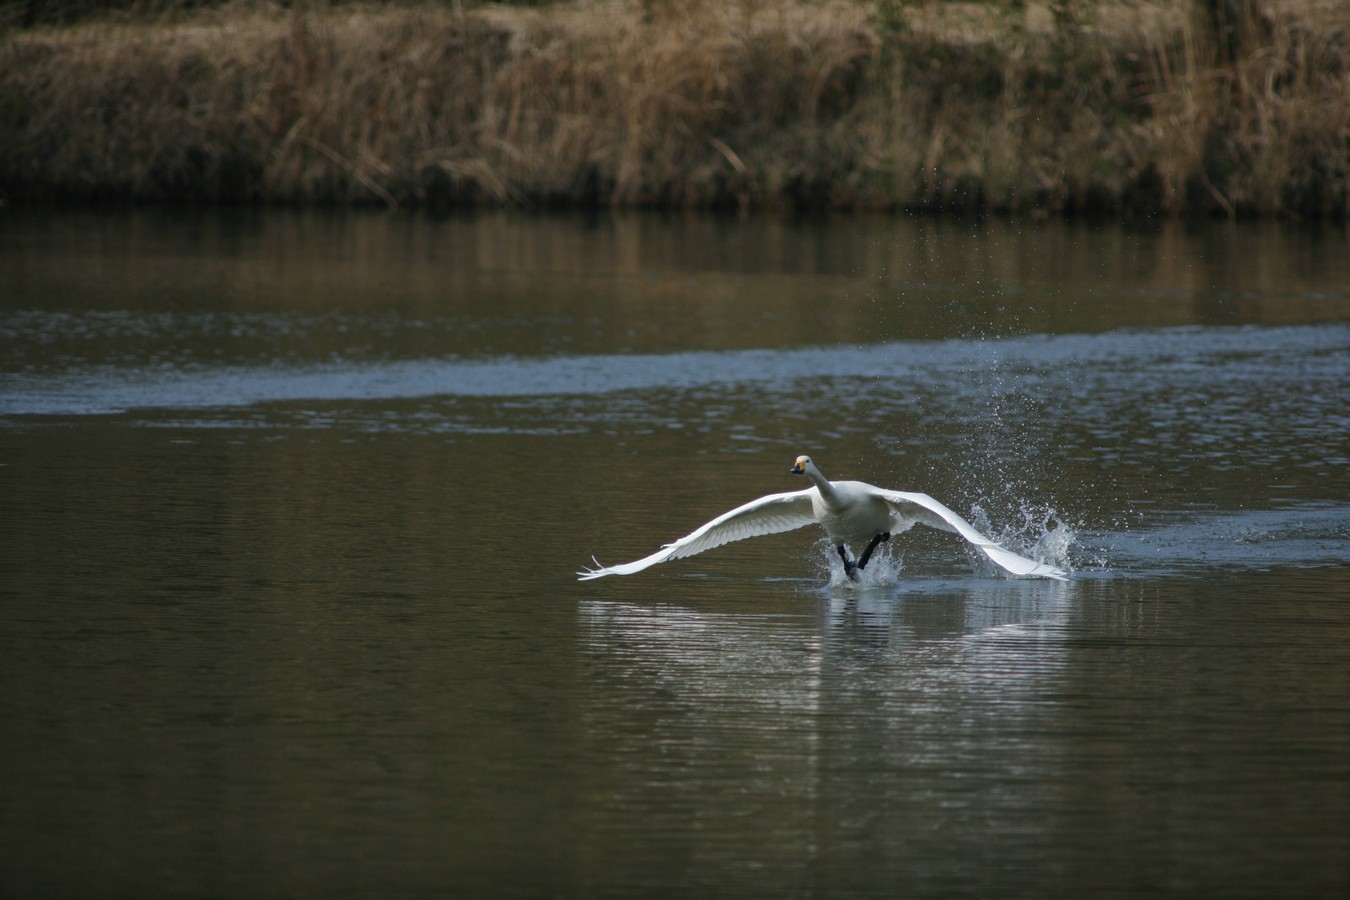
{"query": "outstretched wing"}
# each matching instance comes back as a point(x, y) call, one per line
point(908, 509)
point(767, 515)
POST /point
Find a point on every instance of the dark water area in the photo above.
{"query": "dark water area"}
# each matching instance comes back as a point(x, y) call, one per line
point(293, 505)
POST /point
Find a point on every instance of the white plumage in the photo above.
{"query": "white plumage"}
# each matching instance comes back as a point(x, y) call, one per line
point(849, 511)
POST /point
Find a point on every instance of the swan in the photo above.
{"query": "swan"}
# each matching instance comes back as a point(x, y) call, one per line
point(849, 511)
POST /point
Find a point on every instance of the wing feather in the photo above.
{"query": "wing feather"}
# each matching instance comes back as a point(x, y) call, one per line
point(910, 508)
point(767, 515)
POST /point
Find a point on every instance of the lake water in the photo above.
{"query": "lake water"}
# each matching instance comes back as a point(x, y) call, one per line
point(293, 505)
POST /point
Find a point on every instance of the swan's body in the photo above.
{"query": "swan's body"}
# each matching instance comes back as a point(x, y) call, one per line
point(849, 511)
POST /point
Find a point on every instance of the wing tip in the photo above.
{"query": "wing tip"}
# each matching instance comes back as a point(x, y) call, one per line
point(1019, 565)
point(1045, 570)
point(592, 574)
point(600, 571)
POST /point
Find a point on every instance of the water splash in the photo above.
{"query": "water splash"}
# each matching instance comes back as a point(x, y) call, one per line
point(1041, 535)
point(883, 570)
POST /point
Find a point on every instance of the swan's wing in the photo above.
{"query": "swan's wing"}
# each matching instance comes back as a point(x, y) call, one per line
point(767, 515)
point(907, 509)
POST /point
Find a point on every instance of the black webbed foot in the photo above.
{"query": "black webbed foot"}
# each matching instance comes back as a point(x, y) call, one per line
point(850, 567)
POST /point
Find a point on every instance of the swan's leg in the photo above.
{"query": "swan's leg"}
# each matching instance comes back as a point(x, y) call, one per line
point(867, 554)
point(850, 567)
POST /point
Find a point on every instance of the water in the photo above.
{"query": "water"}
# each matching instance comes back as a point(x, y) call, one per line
point(293, 505)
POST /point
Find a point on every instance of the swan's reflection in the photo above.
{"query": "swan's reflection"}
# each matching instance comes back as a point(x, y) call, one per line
point(874, 715)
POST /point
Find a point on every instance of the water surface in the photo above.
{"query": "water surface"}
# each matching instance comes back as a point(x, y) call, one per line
point(293, 505)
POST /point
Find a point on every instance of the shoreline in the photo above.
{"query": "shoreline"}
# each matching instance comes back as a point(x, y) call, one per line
point(763, 106)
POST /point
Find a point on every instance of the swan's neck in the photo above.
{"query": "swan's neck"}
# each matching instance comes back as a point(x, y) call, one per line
point(822, 484)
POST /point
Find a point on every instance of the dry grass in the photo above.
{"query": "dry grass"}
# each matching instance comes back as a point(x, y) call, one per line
point(766, 103)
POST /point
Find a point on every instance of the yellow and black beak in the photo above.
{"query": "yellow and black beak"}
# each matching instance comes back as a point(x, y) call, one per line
point(798, 468)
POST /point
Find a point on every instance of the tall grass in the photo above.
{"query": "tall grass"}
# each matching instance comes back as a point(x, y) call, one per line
point(1074, 106)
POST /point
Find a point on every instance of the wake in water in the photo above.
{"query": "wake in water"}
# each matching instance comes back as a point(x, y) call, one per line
point(1307, 535)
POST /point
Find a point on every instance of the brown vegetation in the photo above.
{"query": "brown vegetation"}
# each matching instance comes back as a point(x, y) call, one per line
point(1070, 106)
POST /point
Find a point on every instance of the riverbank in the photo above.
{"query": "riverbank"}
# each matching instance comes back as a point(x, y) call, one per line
point(1105, 109)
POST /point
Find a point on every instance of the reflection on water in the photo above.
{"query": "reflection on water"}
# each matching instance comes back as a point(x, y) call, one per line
point(165, 288)
point(951, 740)
point(293, 505)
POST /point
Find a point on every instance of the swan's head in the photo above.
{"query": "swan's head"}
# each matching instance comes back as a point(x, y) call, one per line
point(800, 466)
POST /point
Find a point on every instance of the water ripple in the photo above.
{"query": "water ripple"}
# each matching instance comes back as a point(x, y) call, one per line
point(1070, 367)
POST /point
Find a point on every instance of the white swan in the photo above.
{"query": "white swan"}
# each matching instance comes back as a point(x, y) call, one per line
point(849, 511)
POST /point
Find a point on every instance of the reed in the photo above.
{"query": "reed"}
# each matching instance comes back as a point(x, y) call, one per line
point(1070, 107)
